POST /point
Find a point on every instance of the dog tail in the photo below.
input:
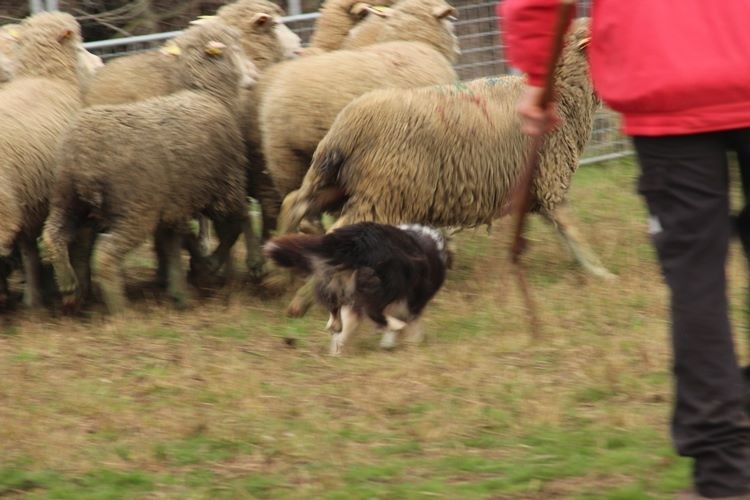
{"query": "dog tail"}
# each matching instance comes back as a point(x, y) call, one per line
point(294, 250)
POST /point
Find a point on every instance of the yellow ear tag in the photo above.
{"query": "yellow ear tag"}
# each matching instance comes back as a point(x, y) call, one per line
point(171, 49)
point(214, 48)
point(13, 32)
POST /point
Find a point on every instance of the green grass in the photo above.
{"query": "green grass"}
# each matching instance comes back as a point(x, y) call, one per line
point(213, 403)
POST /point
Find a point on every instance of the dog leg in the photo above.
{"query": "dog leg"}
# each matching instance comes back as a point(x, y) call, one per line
point(395, 325)
point(414, 332)
point(334, 322)
point(349, 323)
point(388, 340)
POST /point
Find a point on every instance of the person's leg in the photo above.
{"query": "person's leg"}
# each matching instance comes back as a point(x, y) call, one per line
point(740, 142)
point(684, 181)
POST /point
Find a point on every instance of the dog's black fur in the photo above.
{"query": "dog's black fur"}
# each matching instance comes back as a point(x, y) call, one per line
point(368, 266)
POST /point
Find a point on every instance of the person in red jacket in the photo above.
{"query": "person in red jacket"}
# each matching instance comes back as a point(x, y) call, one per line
point(679, 73)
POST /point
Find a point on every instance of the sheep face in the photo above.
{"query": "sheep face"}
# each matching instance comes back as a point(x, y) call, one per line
point(50, 46)
point(88, 63)
point(208, 58)
point(289, 40)
point(427, 21)
point(265, 39)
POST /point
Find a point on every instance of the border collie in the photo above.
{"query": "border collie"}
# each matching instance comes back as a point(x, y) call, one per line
point(367, 270)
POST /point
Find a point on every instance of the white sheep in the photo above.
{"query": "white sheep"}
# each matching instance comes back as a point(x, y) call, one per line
point(134, 170)
point(36, 106)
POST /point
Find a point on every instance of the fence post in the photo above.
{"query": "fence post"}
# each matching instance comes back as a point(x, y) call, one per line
point(35, 6)
point(295, 7)
point(52, 5)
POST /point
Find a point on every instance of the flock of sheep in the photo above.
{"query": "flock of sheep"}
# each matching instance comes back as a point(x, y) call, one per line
point(369, 122)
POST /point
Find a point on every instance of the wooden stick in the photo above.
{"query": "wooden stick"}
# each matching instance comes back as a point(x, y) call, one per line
point(521, 196)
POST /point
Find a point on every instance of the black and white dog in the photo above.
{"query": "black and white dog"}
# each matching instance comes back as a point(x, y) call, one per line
point(385, 273)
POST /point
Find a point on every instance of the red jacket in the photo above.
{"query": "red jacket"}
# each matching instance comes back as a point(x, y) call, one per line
point(669, 66)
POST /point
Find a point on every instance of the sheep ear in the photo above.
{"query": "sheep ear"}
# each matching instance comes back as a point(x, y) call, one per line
point(380, 10)
point(359, 8)
point(584, 43)
point(65, 35)
point(171, 49)
point(214, 48)
point(202, 20)
point(260, 19)
point(445, 11)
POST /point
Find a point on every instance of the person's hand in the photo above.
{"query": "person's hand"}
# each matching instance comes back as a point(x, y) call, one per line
point(534, 119)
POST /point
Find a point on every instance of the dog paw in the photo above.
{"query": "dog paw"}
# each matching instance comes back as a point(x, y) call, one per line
point(337, 346)
point(388, 341)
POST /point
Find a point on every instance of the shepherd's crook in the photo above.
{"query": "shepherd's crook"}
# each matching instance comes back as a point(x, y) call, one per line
point(521, 198)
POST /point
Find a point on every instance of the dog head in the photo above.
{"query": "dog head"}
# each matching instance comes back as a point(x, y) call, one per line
point(441, 238)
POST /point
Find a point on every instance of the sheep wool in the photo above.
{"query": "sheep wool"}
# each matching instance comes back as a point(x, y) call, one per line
point(304, 96)
point(36, 107)
point(150, 74)
point(146, 168)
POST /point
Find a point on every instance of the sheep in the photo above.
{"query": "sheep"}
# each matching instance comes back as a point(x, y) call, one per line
point(336, 21)
point(449, 156)
point(36, 106)
point(150, 74)
point(416, 47)
point(132, 170)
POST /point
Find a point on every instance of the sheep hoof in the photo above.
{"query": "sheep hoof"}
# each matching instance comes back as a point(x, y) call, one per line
point(297, 308)
point(69, 302)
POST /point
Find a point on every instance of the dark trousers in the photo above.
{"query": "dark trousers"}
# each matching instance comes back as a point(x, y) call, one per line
point(684, 181)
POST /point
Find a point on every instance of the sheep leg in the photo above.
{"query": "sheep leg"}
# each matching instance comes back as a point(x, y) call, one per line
point(161, 259)
point(204, 234)
point(58, 238)
point(253, 251)
point(302, 300)
point(270, 202)
point(171, 245)
point(80, 250)
point(6, 267)
point(227, 230)
point(349, 322)
point(113, 249)
point(32, 268)
point(562, 220)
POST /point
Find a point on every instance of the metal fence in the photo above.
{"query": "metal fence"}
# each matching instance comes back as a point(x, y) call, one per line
point(482, 54)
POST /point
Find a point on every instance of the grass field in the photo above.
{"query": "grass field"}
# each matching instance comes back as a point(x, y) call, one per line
point(212, 402)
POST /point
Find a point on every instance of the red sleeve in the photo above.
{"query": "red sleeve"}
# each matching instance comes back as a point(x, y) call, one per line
point(527, 28)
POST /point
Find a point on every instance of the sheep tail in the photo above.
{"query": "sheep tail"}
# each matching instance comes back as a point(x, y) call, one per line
point(320, 190)
point(294, 251)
